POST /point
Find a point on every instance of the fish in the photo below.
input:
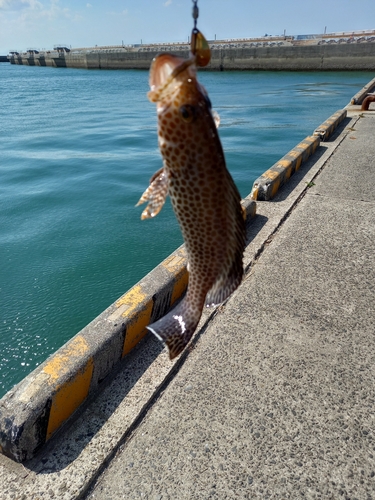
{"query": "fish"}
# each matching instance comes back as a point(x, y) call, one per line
point(204, 197)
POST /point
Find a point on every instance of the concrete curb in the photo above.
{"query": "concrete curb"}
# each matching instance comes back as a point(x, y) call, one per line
point(359, 96)
point(268, 184)
point(327, 128)
point(33, 411)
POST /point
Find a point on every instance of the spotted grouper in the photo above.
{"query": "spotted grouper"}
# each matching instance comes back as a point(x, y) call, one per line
point(204, 197)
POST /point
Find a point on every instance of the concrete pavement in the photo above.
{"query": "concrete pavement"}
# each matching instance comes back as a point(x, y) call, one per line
point(275, 398)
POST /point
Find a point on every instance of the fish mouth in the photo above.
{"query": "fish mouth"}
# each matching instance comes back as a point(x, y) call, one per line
point(164, 68)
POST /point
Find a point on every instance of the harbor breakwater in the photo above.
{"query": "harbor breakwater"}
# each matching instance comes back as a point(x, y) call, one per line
point(328, 52)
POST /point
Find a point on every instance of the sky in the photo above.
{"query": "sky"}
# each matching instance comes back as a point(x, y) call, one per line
point(41, 24)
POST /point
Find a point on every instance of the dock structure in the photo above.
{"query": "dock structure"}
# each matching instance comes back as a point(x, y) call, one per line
point(333, 51)
point(274, 397)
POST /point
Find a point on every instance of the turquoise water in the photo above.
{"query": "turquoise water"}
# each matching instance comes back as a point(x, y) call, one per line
point(77, 150)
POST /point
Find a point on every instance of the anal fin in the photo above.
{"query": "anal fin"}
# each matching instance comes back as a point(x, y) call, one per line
point(225, 284)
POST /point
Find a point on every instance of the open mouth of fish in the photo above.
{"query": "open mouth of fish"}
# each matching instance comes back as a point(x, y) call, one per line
point(164, 70)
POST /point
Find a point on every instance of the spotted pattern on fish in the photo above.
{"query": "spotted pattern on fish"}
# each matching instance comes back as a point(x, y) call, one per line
point(203, 195)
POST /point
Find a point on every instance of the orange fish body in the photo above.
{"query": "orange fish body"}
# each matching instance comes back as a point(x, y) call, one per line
point(203, 195)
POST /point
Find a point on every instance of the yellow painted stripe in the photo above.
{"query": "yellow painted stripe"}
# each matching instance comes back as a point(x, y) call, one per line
point(136, 306)
point(60, 364)
point(275, 187)
point(175, 262)
point(255, 191)
point(271, 174)
point(287, 164)
point(69, 397)
point(244, 214)
point(136, 328)
point(288, 173)
point(176, 265)
point(180, 285)
point(131, 300)
point(299, 162)
point(294, 153)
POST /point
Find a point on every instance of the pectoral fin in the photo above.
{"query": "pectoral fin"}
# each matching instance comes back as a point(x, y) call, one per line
point(155, 194)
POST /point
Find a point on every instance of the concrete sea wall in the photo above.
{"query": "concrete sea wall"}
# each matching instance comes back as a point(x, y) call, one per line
point(315, 57)
point(288, 56)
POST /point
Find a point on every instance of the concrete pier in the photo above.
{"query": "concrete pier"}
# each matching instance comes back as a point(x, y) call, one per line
point(274, 398)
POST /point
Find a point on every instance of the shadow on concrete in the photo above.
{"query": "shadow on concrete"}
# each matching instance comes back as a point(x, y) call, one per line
point(60, 62)
point(74, 436)
point(71, 440)
point(254, 226)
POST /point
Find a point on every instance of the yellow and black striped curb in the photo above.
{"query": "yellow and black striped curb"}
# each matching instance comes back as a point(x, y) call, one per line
point(268, 184)
point(359, 96)
point(327, 128)
point(41, 403)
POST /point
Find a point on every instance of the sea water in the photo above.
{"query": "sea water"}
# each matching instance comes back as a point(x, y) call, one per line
point(77, 149)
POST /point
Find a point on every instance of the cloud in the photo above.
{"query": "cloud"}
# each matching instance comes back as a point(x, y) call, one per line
point(88, 5)
point(122, 13)
point(15, 5)
point(29, 13)
point(167, 3)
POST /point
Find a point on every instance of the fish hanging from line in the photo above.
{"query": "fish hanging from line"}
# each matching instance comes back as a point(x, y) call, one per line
point(204, 197)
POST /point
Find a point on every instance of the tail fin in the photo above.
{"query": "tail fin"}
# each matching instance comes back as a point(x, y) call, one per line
point(176, 328)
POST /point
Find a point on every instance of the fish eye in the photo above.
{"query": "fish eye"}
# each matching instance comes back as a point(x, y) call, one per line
point(187, 112)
